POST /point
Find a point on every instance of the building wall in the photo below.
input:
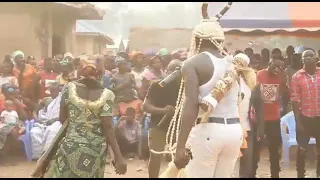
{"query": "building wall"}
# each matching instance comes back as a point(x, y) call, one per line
point(20, 26)
point(17, 33)
point(88, 44)
point(84, 44)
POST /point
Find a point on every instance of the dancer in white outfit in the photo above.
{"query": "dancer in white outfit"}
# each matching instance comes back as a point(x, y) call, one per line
point(210, 83)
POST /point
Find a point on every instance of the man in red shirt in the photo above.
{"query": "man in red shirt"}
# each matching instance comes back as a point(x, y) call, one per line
point(272, 83)
point(305, 97)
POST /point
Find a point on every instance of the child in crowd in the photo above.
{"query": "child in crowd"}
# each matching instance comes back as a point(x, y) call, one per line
point(10, 117)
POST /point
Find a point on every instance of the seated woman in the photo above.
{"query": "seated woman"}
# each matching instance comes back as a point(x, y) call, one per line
point(11, 93)
point(47, 121)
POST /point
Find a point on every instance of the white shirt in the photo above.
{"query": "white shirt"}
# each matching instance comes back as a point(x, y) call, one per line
point(244, 104)
point(10, 117)
point(138, 78)
point(228, 105)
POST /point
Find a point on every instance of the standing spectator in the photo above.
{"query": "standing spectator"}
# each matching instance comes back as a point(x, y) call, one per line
point(104, 76)
point(160, 102)
point(289, 51)
point(65, 72)
point(110, 64)
point(153, 73)
point(255, 62)
point(305, 94)
point(122, 82)
point(137, 68)
point(295, 65)
point(276, 54)
point(123, 85)
point(147, 56)
point(271, 84)
point(165, 57)
point(6, 77)
point(7, 73)
point(249, 52)
point(24, 73)
point(265, 58)
point(42, 80)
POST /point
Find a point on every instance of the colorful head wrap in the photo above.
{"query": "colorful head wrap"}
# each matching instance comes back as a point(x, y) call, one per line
point(64, 62)
point(88, 66)
point(163, 52)
point(149, 53)
point(134, 54)
point(68, 55)
point(17, 53)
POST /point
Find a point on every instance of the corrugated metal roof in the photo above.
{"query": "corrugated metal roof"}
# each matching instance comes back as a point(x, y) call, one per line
point(83, 27)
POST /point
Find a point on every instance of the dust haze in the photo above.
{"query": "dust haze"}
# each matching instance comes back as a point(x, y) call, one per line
point(121, 16)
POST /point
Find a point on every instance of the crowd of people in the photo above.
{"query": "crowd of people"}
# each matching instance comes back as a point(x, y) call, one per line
point(31, 91)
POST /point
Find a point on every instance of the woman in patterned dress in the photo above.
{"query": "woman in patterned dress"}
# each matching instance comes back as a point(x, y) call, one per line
point(86, 115)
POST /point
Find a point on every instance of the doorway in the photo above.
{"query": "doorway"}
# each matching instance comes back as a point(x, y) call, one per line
point(57, 45)
point(58, 35)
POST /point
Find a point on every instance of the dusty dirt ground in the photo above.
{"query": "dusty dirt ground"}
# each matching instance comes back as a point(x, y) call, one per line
point(16, 166)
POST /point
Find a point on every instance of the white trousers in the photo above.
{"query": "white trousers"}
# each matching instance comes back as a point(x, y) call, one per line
point(236, 173)
point(215, 149)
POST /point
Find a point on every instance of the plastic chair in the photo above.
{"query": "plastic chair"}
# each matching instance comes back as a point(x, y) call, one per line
point(288, 140)
point(26, 139)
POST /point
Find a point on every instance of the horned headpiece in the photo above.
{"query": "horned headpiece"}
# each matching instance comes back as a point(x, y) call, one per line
point(208, 29)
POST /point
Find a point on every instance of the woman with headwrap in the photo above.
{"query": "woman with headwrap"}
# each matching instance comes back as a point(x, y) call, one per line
point(24, 73)
point(165, 57)
point(79, 150)
point(147, 56)
point(65, 72)
point(7, 73)
point(123, 85)
point(137, 68)
point(6, 77)
point(153, 73)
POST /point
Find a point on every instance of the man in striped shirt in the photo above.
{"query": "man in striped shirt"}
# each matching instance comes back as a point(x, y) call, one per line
point(305, 97)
